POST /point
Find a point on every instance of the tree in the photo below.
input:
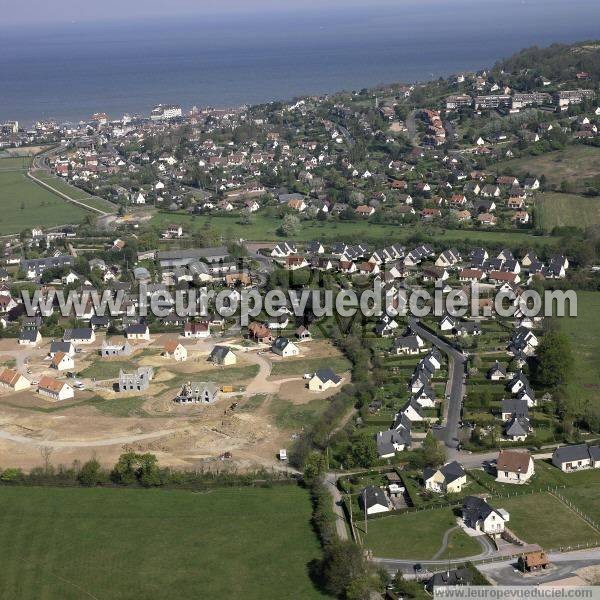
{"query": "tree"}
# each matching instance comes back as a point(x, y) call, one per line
point(363, 450)
point(314, 467)
point(343, 563)
point(553, 365)
point(148, 474)
point(433, 451)
point(290, 225)
point(125, 470)
point(90, 473)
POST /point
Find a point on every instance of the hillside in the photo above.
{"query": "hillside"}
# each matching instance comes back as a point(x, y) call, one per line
point(557, 62)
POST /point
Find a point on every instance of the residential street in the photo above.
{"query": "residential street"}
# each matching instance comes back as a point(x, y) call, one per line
point(456, 373)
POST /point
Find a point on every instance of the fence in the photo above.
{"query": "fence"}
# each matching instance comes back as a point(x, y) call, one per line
point(574, 508)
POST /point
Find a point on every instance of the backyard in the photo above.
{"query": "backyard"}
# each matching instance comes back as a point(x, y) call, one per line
point(417, 535)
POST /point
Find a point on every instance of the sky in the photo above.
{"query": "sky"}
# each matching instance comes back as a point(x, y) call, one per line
point(40, 12)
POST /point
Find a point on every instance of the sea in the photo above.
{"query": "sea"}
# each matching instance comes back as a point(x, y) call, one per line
point(69, 71)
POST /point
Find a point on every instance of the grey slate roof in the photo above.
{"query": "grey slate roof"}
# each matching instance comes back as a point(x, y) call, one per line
point(372, 496)
point(79, 333)
point(327, 374)
point(575, 452)
point(517, 407)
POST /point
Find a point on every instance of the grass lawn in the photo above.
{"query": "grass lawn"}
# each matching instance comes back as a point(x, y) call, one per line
point(567, 209)
point(224, 376)
point(106, 369)
point(577, 164)
point(119, 407)
point(562, 528)
point(70, 544)
point(296, 416)
point(264, 228)
point(585, 498)
point(253, 403)
point(416, 535)
point(309, 365)
point(584, 333)
point(26, 204)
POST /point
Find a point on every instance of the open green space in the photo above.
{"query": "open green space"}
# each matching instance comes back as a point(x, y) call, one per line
point(563, 527)
point(106, 369)
point(15, 163)
point(416, 535)
point(577, 164)
point(584, 333)
point(296, 416)
point(70, 544)
point(339, 364)
point(74, 192)
point(26, 204)
point(585, 498)
point(264, 228)
point(555, 210)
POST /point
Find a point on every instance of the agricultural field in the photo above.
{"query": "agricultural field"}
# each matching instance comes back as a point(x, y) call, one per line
point(577, 164)
point(15, 163)
point(264, 228)
point(75, 193)
point(584, 333)
point(555, 210)
point(26, 204)
point(417, 535)
point(565, 528)
point(69, 544)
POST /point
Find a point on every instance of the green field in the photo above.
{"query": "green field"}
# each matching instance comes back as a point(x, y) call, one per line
point(264, 228)
point(16, 163)
point(309, 365)
point(416, 535)
point(577, 164)
point(71, 544)
point(555, 210)
point(296, 416)
point(584, 333)
point(26, 204)
point(106, 369)
point(562, 528)
point(75, 193)
point(585, 498)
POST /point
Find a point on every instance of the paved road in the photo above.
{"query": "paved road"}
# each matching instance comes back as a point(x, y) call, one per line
point(456, 373)
point(336, 496)
point(564, 565)
point(411, 125)
point(393, 565)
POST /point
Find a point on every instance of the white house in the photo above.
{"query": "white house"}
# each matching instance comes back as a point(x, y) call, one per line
point(373, 500)
point(576, 457)
point(449, 479)
point(480, 516)
point(175, 350)
point(54, 389)
point(514, 466)
point(323, 379)
point(284, 347)
point(62, 362)
point(137, 331)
